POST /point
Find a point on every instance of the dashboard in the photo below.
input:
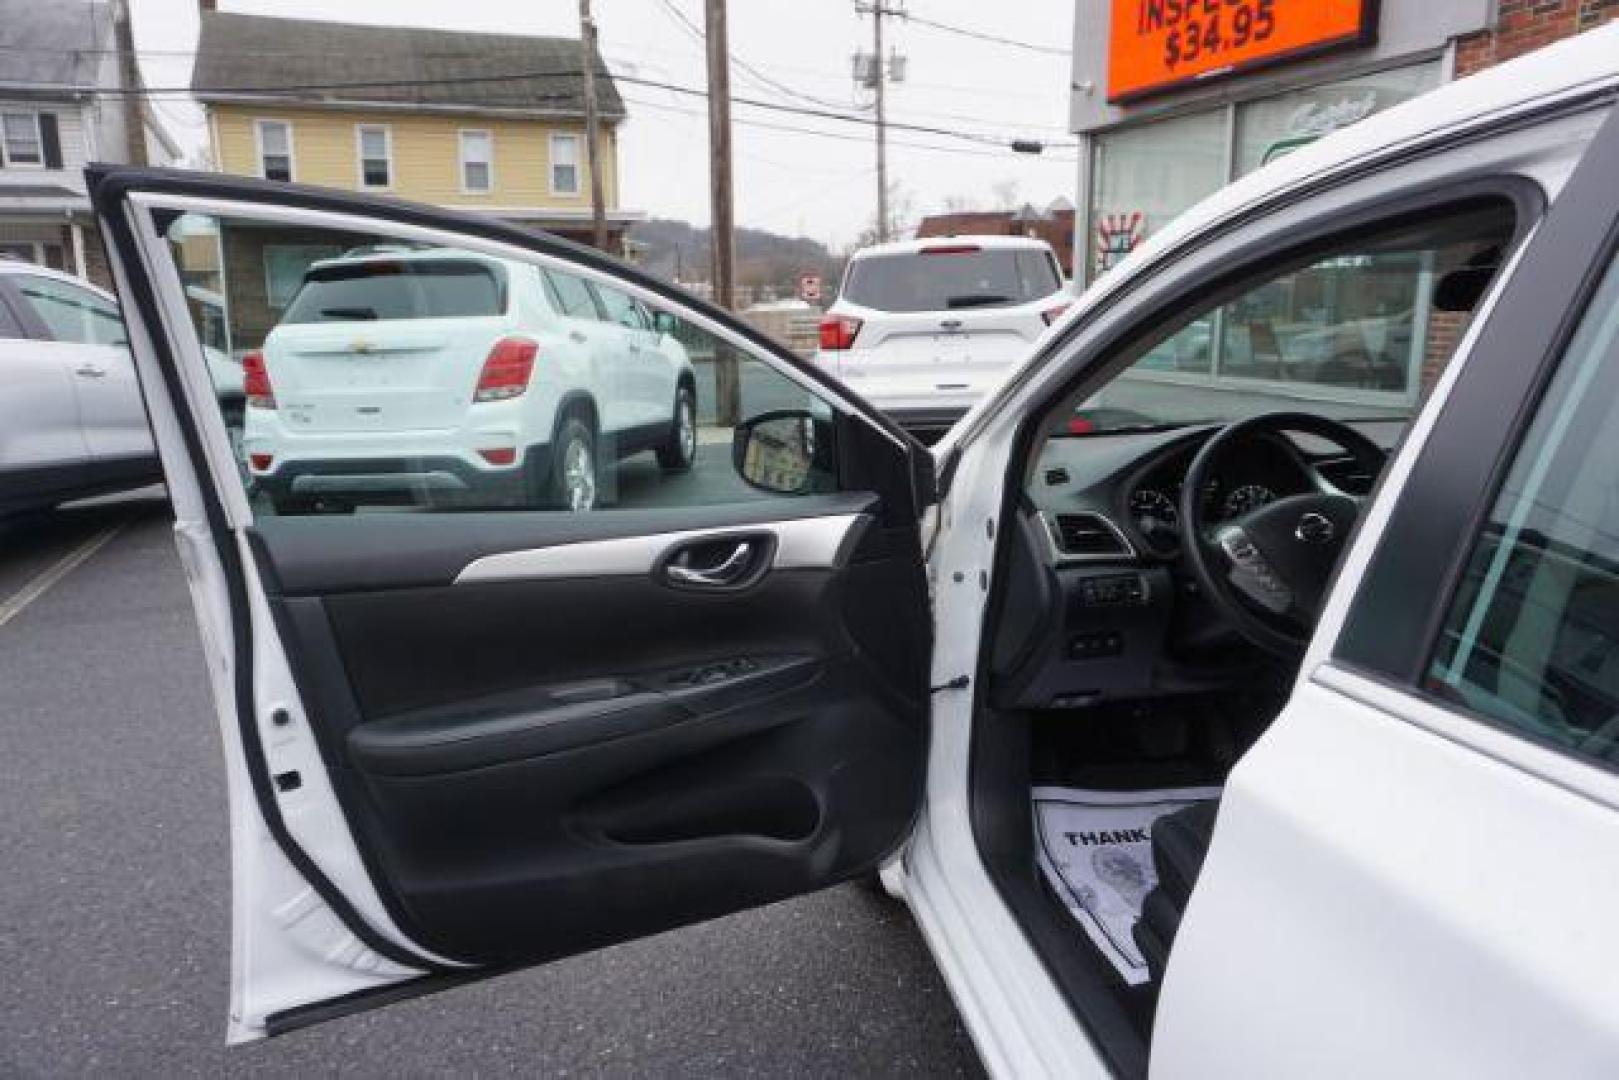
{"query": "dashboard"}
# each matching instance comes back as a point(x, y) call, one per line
point(1101, 533)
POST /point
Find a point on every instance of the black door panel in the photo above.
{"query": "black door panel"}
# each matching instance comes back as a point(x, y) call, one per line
point(620, 754)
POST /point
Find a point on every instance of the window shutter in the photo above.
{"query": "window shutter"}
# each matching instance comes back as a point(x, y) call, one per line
point(52, 140)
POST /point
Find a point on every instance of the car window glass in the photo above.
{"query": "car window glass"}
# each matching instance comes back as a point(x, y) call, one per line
point(621, 309)
point(1532, 638)
point(405, 379)
point(1356, 332)
point(949, 276)
point(425, 286)
point(9, 326)
point(571, 295)
point(72, 314)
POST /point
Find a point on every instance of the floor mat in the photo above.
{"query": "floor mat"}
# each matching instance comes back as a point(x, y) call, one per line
point(1095, 848)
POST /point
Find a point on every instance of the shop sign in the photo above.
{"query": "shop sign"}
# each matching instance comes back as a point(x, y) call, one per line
point(1116, 236)
point(1318, 118)
point(1158, 45)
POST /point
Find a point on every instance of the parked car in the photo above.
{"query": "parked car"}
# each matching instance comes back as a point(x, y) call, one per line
point(923, 328)
point(71, 419)
point(72, 422)
point(400, 372)
point(1275, 735)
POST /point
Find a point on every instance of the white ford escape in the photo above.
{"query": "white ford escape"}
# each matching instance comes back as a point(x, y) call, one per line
point(477, 381)
point(922, 329)
point(1270, 733)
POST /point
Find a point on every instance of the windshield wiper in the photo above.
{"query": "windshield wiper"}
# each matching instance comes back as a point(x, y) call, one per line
point(974, 301)
point(349, 312)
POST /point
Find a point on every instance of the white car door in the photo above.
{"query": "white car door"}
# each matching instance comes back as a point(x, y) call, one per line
point(598, 340)
point(42, 447)
point(648, 376)
point(88, 338)
point(463, 743)
point(1413, 872)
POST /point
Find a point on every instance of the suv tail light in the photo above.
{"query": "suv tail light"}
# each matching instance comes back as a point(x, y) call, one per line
point(506, 371)
point(1052, 314)
point(838, 332)
point(256, 381)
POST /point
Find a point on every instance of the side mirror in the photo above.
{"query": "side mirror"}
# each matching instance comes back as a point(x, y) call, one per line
point(783, 452)
point(665, 323)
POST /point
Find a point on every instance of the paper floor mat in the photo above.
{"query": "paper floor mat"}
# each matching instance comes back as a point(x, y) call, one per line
point(1095, 848)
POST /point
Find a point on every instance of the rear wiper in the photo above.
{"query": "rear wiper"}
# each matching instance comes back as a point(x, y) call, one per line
point(349, 312)
point(974, 301)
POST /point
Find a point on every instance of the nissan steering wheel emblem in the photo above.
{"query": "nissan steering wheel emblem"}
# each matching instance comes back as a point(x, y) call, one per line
point(1314, 528)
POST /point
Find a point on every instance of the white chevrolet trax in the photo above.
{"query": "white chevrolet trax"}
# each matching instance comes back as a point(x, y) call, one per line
point(399, 373)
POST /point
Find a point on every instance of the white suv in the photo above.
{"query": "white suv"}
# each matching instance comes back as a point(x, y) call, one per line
point(922, 329)
point(401, 375)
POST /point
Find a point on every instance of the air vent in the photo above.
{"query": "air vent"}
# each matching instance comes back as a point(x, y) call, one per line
point(1089, 536)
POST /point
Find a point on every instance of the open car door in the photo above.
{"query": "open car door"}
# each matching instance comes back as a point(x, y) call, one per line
point(467, 730)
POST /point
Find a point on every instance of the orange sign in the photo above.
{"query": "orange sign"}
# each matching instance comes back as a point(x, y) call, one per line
point(1155, 45)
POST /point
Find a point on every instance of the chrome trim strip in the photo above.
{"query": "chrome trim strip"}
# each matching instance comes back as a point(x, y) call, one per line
point(818, 543)
point(1048, 521)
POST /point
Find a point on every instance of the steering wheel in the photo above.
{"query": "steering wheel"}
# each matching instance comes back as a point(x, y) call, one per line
point(1266, 571)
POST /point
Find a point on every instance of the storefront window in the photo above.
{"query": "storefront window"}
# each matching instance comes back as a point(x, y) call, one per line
point(1143, 177)
point(1276, 126)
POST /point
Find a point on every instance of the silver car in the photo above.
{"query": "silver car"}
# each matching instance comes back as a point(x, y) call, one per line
point(72, 421)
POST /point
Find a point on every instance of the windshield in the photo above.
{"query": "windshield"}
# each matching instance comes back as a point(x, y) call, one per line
point(406, 289)
point(952, 277)
point(1358, 332)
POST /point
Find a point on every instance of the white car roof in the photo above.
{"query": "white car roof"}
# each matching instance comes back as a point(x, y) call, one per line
point(407, 254)
point(911, 247)
point(22, 266)
point(1579, 66)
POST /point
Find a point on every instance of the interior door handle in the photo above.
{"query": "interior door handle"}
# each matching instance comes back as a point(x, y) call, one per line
point(730, 570)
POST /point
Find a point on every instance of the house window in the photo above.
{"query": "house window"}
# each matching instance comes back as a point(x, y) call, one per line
point(477, 161)
point(22, 144)
point(275, 149)
point(376, 155)
point(564, 164)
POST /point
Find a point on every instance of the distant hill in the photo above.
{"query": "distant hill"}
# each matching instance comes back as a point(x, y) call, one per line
point(765, 260)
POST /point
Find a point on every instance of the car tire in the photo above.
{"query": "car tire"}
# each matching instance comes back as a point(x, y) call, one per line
point(575, 482)
point(680, 451)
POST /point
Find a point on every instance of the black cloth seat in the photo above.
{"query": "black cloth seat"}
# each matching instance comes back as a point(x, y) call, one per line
point(1179, 843)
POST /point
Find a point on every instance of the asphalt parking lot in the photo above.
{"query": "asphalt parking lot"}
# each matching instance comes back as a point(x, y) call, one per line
point(114, 898)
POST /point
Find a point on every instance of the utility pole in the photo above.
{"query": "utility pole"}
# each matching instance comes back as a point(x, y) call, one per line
point(727, 377)
point(598, 211)
point(129, 74)
point(873, 73)
point(882, 122)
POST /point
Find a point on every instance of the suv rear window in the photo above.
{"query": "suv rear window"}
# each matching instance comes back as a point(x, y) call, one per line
point(950, 277)
point(407, 289)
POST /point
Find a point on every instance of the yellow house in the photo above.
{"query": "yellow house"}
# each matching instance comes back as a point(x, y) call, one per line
point(491, 123)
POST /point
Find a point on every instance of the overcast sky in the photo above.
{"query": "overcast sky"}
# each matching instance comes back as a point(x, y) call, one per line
point(785, 181)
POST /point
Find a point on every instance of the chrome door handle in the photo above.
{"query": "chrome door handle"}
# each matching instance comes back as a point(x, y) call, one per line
point(731, 570)
point(90, 371)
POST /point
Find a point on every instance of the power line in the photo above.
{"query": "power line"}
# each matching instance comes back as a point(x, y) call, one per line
point(696, 33)
point(977, 35)
point(766, 125)
point(522, 76)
